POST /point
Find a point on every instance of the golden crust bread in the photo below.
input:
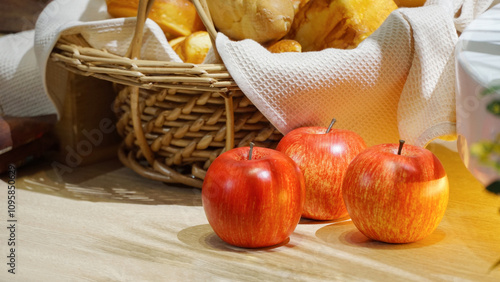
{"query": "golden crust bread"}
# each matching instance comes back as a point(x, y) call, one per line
point(175, 17)
point(340, 24)
point(298, 4)
point(409, 3)
point(176, 41)
point(260, 20)
point(193, 48)
point(285, 45)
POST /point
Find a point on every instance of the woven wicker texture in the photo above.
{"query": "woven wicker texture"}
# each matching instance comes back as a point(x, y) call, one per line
point(175, 118)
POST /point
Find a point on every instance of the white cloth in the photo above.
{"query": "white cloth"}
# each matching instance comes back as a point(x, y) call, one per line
point(21, 87)
point(90, 19)
point(399, 83)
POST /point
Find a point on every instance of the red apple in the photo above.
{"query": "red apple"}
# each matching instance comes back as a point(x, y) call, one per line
point(255, 202)
point(396, 195)
point(323, 156)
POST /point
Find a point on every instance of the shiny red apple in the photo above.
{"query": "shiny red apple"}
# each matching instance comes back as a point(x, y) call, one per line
point(396, 194)
point(323, 155)
point(253, 201)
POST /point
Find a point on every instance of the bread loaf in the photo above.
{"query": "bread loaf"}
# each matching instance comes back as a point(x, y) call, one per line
point(260, 20)
point(176, 41)
point(340, 24)
point(284, 45)
point(298, 4)
point(192, 48)
point(409, 3)
point(175, 17)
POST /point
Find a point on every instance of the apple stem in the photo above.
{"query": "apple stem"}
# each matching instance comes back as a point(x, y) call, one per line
point(251, 151)
point(401, 143)
point(330, 126)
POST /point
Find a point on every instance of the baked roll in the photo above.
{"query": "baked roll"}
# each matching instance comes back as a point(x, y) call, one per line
point(340, 24)
point(409, 3)
point(298, 4)
point(175, 17)
point(192, 48)
point(260, 20)
point(284, 45)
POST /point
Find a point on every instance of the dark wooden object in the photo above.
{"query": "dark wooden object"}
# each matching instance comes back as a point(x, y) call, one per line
point(19, 15)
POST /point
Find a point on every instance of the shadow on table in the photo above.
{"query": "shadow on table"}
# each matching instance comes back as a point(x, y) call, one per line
point(202, 237)
point(339, 221)
point(353, 237)
point(108, 181)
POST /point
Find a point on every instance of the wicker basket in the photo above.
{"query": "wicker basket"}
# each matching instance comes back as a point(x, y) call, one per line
point(175, 118)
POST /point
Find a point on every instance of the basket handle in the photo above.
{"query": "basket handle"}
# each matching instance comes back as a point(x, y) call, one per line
point(134, 53)
point(202, 9)
point(134, 49)
point(205, 16)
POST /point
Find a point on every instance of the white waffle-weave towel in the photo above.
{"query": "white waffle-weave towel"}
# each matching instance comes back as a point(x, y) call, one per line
point(397, 84)
point(21, 86)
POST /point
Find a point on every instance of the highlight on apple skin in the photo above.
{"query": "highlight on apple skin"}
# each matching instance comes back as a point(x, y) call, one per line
point(395, 194)
point(253, 200)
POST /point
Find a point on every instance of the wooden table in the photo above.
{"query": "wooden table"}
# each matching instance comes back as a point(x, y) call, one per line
point(105, 223)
